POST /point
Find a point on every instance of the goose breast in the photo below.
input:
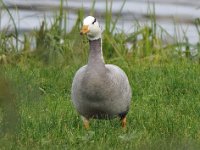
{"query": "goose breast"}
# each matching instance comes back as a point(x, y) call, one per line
point(96, 93)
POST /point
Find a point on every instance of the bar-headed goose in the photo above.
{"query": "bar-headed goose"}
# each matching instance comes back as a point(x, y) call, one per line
point(99, 90)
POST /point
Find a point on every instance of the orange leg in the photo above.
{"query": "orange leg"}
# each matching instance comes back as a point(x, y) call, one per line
point(123, 121)
point(85, 122)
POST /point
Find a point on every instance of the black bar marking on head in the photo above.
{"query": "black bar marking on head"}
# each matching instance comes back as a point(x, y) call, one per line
point(94, 21)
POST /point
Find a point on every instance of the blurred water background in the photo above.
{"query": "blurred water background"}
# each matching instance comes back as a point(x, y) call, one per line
point(175, 16)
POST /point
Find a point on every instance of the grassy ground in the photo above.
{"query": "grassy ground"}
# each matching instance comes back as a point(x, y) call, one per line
point(164, 112)
point(35, 105)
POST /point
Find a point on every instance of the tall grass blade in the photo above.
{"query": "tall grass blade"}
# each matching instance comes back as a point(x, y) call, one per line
point(14, 24)
point(118, 16)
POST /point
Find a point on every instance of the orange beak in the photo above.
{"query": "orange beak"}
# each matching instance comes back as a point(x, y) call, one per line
point(84, 29)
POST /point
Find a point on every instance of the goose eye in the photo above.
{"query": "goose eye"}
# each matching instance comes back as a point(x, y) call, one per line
point(94, 21)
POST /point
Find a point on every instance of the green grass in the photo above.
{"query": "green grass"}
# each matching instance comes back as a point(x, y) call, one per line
point(36, 111)
point(164, 111)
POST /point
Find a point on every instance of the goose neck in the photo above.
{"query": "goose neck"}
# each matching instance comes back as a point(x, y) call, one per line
point(95, 54)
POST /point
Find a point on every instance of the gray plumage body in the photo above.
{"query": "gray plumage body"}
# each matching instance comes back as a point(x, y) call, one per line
point(100, 90)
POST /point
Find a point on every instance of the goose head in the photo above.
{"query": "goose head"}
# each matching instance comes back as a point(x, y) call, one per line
point(91, 28)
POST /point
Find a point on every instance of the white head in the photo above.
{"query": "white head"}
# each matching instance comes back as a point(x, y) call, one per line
point(91, 28)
